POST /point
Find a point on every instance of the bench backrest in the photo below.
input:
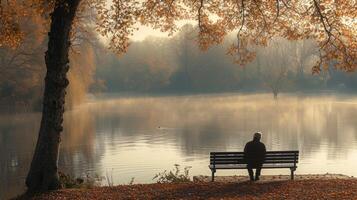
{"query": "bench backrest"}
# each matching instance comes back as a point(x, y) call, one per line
point(271, 157)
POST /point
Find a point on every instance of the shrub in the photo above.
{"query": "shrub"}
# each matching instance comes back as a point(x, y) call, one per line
point(174, 176)
point(88, 181)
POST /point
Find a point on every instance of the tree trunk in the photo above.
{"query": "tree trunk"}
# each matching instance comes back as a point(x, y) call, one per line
point(43, 173)
point(275, 93)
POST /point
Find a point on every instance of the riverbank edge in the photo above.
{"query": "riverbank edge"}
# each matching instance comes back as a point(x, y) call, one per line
point(271, 178)
point(305, 186)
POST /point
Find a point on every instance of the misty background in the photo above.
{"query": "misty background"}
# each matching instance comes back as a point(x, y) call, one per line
point(164, 65)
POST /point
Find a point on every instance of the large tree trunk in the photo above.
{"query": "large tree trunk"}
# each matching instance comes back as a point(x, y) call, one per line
point(43, 173)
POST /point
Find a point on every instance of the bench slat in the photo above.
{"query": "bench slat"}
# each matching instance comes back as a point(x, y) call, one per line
point(244, 162)
point(268, 152)
point(240, 155)
point(244, 166)
point(266, 157)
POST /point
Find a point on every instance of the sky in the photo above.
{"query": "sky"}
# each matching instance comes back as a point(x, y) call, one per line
point(139, 35)
point(145, 31)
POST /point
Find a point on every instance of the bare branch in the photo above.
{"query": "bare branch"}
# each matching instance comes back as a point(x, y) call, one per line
point(243, 18)
point(323, 20)
point(200, 14)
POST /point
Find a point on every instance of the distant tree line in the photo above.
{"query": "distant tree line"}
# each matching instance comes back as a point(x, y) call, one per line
point(176, 65)
point(165, 66)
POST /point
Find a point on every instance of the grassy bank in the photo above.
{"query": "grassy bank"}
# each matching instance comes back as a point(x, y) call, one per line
point(298, 189)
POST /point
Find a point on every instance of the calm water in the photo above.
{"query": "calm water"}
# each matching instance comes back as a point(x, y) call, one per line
point(139, 137)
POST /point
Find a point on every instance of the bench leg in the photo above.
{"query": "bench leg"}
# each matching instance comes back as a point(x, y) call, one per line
point(292, 173)
point(213, 171)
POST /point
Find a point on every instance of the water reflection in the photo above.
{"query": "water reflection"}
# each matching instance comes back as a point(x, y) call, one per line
point(16, 144)
point(138, 137)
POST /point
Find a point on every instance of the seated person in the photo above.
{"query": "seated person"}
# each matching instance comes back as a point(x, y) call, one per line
point(254, 154)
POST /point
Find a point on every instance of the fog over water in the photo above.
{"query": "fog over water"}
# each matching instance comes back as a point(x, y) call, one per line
point(141, 136)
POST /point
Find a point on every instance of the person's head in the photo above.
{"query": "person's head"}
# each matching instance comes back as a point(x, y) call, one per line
point(257, 136)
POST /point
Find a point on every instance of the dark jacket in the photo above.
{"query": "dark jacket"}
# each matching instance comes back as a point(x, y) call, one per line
point(254, 153)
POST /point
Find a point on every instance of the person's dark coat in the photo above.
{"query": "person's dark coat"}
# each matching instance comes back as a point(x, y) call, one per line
point(254, 153)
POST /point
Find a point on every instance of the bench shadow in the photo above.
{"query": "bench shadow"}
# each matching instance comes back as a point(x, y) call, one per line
point(226, 190)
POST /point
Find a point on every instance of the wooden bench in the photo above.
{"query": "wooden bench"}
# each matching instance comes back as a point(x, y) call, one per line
point(235, 160)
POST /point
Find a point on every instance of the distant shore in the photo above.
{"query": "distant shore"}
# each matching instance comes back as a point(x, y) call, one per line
point(315, 186)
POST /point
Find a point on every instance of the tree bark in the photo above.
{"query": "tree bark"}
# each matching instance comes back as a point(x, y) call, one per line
point(43, 174)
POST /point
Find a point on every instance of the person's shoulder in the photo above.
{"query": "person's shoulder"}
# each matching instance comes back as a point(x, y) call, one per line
point(248, 144)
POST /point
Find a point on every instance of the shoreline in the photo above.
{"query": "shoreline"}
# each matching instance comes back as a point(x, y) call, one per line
point(272, 178)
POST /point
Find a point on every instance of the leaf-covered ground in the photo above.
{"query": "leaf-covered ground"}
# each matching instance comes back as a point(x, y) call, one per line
point(304, 189)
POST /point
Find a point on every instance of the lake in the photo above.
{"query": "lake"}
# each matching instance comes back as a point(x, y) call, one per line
point(138, 137)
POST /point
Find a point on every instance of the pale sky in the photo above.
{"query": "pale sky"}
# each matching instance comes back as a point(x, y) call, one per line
point(145, 31)
point(139, 35)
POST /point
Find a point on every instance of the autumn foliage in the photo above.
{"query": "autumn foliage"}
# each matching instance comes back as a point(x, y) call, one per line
point(331, 23)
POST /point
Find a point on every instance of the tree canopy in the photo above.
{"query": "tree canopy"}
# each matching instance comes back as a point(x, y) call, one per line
point(331, 23)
